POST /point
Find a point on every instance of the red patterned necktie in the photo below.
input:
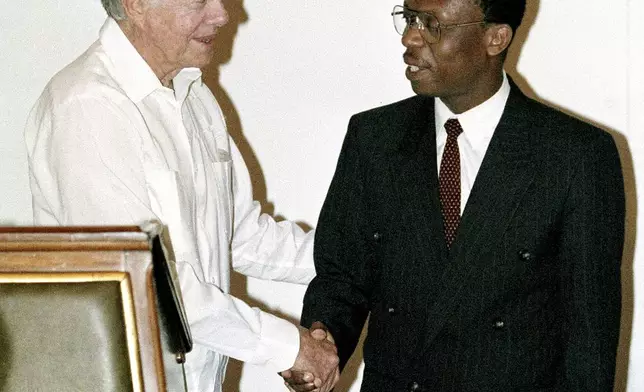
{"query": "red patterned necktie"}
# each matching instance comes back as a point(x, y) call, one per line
point(449, 181)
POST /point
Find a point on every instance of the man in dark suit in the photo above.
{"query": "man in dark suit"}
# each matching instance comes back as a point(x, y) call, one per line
point(480, 230)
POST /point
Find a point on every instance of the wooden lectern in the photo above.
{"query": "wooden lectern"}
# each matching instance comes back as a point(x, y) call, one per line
point(90, 309)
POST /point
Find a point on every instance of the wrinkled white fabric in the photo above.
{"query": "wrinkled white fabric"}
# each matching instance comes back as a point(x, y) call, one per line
point(109, 145)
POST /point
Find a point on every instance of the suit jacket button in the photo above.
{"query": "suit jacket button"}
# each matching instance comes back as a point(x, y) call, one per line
point(498, 324)
point(377, 236)
point(525, 255)
point(413, 386)
point(391, 310)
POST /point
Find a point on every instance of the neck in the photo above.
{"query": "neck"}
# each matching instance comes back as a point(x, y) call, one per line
point(150, 53)
point(475, 96)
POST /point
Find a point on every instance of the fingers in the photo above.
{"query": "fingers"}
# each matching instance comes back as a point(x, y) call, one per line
point(286, 373)
point(300, 388)
point(296, 378)
point(318, 334)
point(320, 331)
point(316, 364)
point(318, 326)
point(302, 382)
point(331, 381)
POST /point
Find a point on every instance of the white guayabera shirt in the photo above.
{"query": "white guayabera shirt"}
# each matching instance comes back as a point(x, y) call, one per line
point(109, 145)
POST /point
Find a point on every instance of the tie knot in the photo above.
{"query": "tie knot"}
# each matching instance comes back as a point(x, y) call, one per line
point(453, 127)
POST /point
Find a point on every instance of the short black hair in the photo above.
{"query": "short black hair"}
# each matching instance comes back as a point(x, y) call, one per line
point(508, 12)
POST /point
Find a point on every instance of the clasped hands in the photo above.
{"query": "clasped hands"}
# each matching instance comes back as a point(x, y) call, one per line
point(316, 366)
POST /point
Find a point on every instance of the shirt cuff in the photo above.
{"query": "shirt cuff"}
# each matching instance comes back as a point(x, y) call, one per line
point(280, 342)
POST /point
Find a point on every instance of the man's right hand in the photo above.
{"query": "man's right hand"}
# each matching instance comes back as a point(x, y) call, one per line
point(316, 366)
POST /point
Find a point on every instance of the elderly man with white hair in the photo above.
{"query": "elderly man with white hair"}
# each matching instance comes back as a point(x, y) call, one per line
point(128, 132)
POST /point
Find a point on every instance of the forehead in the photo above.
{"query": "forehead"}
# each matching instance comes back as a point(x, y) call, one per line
point(444, 7)
point(172, 4)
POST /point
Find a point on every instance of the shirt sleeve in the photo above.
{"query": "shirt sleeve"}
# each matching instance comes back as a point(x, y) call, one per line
point(84, 164)
point(86, 168)
point(227, 325)
point(261, 247)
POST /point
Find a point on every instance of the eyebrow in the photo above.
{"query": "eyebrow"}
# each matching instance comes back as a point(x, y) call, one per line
point(418, 11)
point(440, 3)
point(410, 9)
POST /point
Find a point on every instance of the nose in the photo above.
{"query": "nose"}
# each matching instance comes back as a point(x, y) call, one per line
point(412, 38)
point(217, 13)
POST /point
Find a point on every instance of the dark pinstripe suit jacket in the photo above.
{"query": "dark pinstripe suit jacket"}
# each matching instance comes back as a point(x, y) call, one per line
point(528, 299)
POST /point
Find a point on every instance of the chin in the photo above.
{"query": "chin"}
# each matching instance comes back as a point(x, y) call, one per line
point(421, 89)
point(203, 64)
point(201, 58)
point(200, 62)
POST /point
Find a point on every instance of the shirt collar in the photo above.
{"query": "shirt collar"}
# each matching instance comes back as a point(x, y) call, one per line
point(133, 73)
point(184, 79)
point(479, 122)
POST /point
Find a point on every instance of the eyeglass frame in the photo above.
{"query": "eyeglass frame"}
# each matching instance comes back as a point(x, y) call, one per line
point(421, 25)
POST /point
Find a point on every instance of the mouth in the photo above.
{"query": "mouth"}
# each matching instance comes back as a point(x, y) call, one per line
point(206, 40)
point(414, 67)
point(416, 72)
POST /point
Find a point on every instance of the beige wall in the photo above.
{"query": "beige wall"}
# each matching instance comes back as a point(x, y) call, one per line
point(294, 73)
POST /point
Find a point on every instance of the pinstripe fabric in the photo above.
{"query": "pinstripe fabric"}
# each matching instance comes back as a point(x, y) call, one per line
point(527, 298)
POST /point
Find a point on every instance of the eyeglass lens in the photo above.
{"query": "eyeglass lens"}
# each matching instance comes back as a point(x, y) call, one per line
point(425, 23)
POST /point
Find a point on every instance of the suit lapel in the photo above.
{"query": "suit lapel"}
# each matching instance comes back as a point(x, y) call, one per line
point(413, 166)
point(504, 176)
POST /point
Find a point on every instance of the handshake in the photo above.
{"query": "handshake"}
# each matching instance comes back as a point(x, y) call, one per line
point(316, 366)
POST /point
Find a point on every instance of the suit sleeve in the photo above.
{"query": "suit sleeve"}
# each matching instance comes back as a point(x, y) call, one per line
point(338, 295)
point(590, 248)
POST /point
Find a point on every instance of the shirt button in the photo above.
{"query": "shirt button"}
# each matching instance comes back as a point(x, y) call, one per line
point(498, 324)
point(413, 386)
point(391, 310)
point(525, 255)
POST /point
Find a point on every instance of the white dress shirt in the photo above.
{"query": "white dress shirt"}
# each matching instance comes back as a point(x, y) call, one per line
point(478, 126)
point(109, 145)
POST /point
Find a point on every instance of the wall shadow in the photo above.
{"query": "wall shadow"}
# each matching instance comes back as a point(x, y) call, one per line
point(514, 52)
point(211, 77)
point(630, 189)
point(628, 260)
point(225, 42)
point(211, 74)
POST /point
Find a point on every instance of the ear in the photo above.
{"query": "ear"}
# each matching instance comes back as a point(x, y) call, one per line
point(134, 9)
point(498, 38)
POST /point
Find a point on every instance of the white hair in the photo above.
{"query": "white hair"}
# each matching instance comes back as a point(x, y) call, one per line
point(114, 9)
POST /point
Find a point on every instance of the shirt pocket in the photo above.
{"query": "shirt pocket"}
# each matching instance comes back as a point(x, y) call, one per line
point(223, 183)
point(214, 203)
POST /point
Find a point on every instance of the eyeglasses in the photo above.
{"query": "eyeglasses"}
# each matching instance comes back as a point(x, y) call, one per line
point(426, 23)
